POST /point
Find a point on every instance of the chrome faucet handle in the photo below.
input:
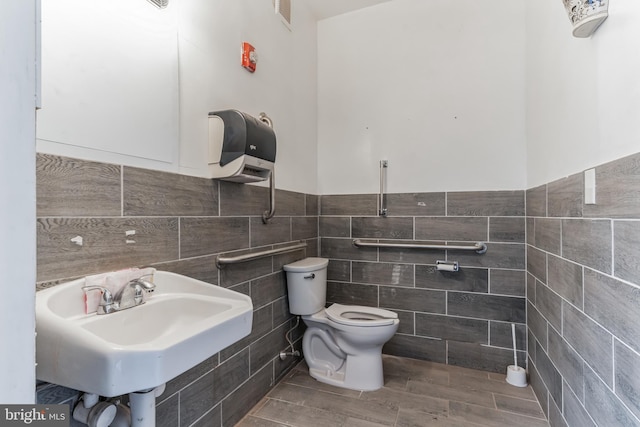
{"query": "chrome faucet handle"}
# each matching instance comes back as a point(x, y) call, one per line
point(150, 275)
point(142, 285)
point(145, 285)
point(137, 291)
point(131, 294)
point(106, 303)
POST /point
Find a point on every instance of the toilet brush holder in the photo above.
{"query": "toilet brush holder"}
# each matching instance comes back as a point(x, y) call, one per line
point(516, 376)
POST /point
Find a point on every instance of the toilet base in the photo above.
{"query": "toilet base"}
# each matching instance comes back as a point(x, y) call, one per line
point(347, 356)
point(359, 372)
point(335, 378)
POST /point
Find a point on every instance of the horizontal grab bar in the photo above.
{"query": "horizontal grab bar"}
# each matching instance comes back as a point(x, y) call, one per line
point(222, 260)
point(479, 247)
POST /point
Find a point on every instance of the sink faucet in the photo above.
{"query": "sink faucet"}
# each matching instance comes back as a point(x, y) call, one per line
point(130, 295)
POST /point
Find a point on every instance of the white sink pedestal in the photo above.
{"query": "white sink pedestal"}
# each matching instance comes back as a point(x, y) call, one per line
point(143, 407)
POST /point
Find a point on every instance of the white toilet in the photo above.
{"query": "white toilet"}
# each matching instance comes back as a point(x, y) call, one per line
point(343, 343)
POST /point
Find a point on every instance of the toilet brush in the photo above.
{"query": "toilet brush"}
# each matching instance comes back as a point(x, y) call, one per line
point(513, 339)
point(516, 375)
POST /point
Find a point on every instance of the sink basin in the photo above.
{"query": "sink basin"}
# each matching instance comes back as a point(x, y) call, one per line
point(184, 322)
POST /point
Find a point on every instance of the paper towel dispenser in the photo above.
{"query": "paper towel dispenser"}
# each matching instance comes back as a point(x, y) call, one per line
point(242, 148)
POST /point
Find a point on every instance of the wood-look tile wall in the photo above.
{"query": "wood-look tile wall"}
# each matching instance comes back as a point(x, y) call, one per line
point(578, 267)
point(181, 223)
point(461, 318)
point(583, 287)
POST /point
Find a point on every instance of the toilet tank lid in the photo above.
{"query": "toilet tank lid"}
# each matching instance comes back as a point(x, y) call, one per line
point(307, 264)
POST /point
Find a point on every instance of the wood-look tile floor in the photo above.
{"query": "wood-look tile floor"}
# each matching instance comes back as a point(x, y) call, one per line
point(416, 393)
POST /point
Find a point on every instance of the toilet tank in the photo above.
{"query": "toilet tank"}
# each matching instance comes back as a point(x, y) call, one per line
point(307, 285)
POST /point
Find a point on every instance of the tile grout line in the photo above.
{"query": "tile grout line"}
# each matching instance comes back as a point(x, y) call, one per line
point(121, 191)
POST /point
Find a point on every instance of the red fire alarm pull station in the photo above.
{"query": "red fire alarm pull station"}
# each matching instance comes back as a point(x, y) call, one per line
point(249, 57)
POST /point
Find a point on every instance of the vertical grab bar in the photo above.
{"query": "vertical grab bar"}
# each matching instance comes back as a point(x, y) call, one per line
point(383, 177)
point(268, 214)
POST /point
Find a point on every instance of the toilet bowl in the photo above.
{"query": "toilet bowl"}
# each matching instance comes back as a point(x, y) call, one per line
point(343, 343)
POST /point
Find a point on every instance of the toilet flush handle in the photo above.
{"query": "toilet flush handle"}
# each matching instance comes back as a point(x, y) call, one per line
point(311, 276)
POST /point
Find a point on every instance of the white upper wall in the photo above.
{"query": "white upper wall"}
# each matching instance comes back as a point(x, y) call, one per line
point(462, 95)
point(323, 9)
point(140, 96)
point(583, 95)
point(435, 87)
point(283, 86)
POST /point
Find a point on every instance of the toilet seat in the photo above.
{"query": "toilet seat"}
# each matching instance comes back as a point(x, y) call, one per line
point(357, 315)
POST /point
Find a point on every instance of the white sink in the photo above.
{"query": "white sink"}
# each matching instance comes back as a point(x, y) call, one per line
point(184, 322)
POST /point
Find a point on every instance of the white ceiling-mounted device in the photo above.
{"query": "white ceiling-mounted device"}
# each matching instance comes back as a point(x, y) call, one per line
point(586, 15)
point(242, 148)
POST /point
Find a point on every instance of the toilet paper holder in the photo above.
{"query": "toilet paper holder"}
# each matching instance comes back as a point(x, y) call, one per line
point(447, 265)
